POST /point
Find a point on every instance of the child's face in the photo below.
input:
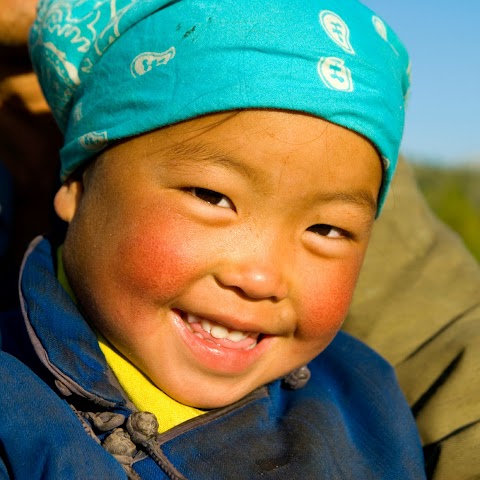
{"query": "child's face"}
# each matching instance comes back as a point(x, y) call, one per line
point(253, 225)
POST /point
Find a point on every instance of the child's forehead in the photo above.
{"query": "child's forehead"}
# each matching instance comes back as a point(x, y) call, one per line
point(216, 138)
point(210, 134)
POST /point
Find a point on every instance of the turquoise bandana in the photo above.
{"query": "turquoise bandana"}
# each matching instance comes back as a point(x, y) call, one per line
point(112, 69)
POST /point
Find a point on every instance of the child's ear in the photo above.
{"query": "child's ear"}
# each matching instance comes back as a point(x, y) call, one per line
point(68, 199)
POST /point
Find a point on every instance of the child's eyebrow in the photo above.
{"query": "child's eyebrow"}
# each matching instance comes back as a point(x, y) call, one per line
point(360, 198)
point(199, 153)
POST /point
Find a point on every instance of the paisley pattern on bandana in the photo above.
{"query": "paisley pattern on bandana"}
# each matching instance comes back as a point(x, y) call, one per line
point(112, 69)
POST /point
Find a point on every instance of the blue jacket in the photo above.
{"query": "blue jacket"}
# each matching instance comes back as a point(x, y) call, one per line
point(59, 402)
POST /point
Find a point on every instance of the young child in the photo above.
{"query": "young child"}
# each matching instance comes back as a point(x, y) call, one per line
point(223, 166)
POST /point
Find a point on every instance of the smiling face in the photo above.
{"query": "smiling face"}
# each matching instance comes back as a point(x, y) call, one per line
point(221, 253)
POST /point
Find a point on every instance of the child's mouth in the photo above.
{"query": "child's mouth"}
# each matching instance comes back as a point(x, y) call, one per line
point(218, 334)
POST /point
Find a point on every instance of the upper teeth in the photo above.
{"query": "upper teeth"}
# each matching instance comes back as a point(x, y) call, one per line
point(218, 331)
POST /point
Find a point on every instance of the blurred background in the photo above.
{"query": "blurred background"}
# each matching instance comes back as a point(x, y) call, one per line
point(442, 133)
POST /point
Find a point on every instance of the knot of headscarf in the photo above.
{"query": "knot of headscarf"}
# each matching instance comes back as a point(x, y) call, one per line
point(118, 68)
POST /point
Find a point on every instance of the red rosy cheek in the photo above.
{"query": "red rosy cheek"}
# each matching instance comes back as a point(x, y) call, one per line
point(161, 259)
point(327, 306)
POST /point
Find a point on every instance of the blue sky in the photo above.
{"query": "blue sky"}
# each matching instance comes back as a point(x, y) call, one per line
point(443, 39)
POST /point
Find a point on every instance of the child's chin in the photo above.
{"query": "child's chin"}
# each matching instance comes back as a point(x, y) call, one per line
point(208, 398)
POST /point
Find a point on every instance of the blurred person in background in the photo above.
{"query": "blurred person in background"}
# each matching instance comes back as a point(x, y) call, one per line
point(429, 297)
point(429, 326)
point(29, 143)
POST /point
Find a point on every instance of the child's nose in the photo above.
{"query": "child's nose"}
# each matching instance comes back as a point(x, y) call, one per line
point(256, 280)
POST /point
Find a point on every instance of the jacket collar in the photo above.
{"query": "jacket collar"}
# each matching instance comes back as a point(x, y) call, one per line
point(61, 337)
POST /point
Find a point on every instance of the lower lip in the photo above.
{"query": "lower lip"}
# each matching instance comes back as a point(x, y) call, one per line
point(219, 359)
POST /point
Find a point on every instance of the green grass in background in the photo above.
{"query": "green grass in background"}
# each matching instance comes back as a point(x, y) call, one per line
point(454, 195)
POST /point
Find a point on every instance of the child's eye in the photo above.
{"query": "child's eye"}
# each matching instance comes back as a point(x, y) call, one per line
point(210, 196)
point(325, 230)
